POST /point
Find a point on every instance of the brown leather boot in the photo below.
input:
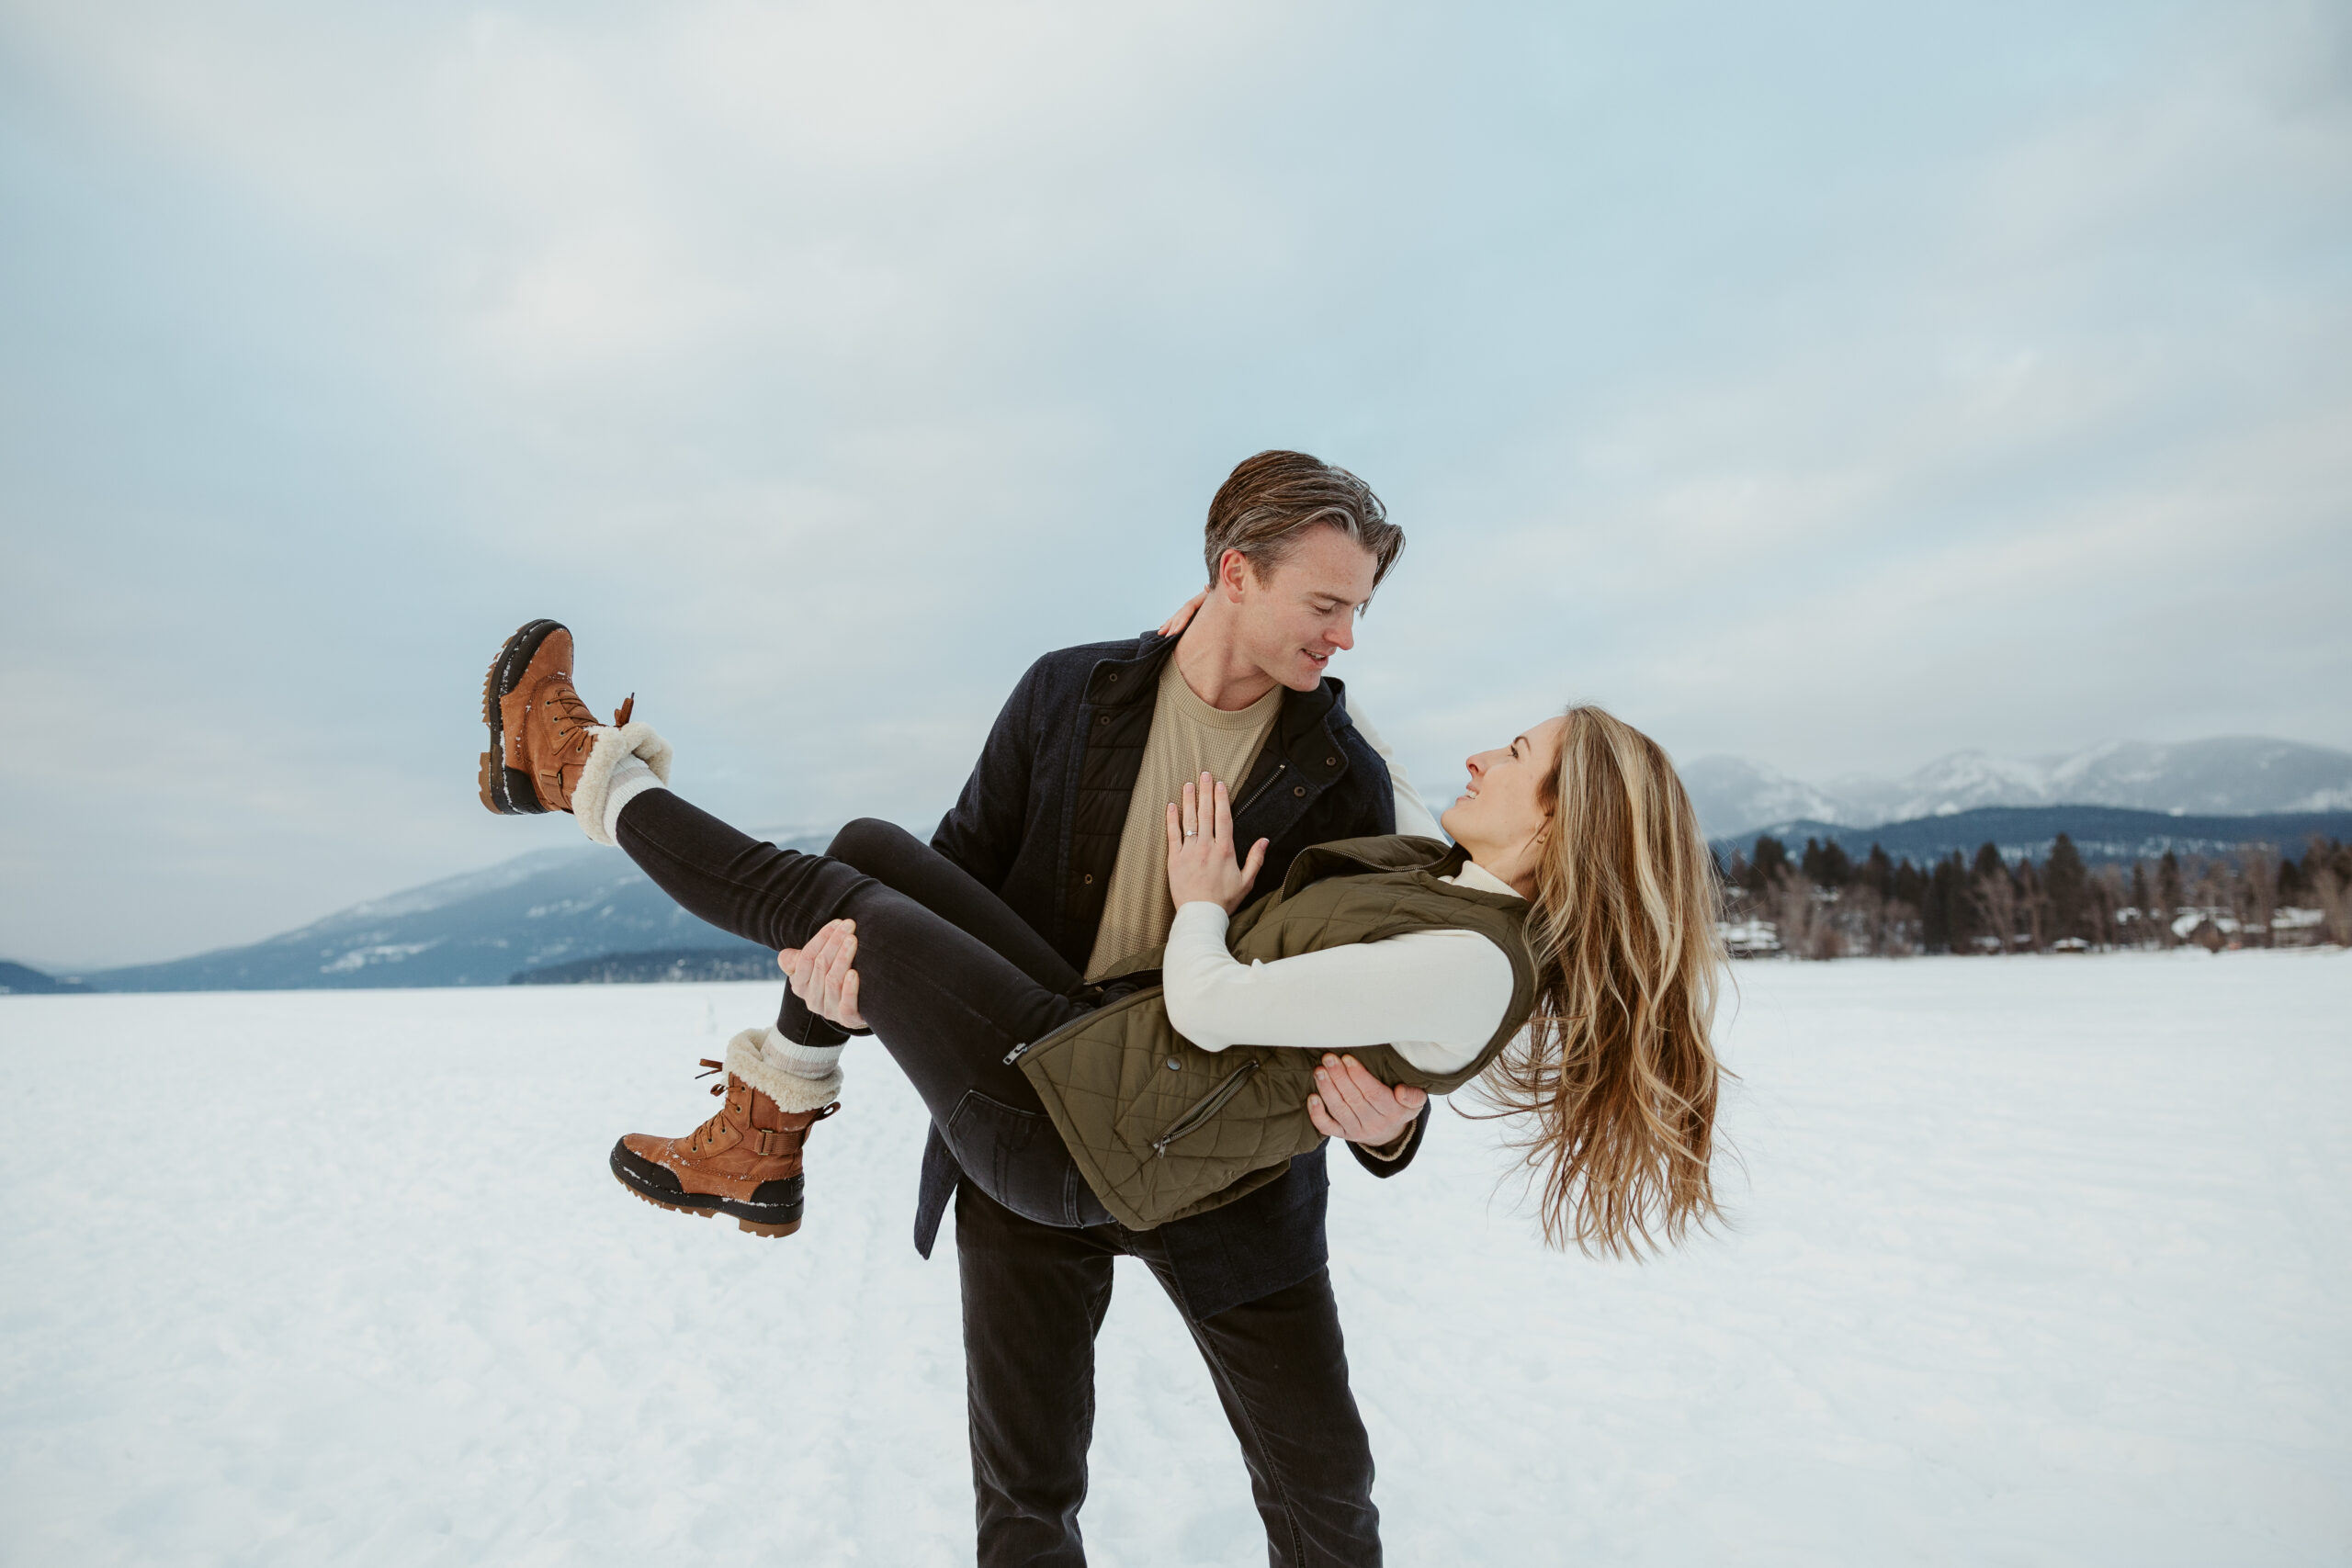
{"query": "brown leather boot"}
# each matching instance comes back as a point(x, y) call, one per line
point(744, 1161)
point(540, 732)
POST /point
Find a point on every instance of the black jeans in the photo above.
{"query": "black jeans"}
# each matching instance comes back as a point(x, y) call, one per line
point(1035, 1297)
point(946, 1003)
point(950, 979)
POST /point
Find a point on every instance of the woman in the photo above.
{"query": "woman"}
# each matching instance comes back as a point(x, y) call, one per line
point(1565, 947)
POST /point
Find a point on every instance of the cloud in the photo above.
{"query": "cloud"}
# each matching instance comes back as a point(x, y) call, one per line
point(1833, 387)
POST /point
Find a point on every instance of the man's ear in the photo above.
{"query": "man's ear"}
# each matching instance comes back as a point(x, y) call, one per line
point(1234, 576)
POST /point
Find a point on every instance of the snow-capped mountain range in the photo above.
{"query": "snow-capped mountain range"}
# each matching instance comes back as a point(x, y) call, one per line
point(2229, 775)
point(544, 909)
point(559, 908)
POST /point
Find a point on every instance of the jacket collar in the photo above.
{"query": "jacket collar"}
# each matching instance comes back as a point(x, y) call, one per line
point(1134, 677)
point(1129, 677)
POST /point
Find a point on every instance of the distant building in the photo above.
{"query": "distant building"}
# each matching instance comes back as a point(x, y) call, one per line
point(2208, 929)
point(1749, 939)
point(2293, 927)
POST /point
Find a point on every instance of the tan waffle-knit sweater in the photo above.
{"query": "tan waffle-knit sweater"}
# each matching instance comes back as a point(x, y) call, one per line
point(1188, 737)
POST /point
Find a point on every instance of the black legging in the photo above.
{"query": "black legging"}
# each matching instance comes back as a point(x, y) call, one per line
point(949, 978)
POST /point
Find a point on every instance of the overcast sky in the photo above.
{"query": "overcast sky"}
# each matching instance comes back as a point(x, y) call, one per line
point(1833, 384)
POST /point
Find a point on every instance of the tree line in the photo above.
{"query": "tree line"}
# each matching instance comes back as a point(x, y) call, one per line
point(1823, 903)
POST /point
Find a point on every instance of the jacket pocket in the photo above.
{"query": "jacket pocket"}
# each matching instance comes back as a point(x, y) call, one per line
point(1204, 1110)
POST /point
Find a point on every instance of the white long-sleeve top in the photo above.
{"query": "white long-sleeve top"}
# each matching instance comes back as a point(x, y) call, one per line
point(1437, 996)
point(1412, 816)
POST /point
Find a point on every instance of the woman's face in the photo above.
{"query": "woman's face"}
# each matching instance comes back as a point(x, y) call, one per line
point(1502, 811)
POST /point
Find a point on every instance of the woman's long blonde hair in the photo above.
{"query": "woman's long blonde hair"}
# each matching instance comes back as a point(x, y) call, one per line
point(1616, 1066)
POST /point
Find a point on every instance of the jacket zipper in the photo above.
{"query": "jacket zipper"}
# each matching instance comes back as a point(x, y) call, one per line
point(1207, 1107)
point(1133, 998)
point(1279, 769)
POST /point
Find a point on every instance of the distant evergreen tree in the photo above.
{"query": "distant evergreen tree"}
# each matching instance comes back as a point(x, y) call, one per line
point(2168, 886)
point(1959, 903)
point(1826, 865)
point(2066, 887)
point(2107, 896)
point(1989, 861)
point(1935, 908)
point(1769, 865)
point(2034, 905)
point(1908, 884)
point(2290, 881)
point(2141, 900)
point(1878, 872)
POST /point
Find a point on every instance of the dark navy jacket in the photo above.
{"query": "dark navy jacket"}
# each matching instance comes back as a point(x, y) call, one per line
point(1039, 822)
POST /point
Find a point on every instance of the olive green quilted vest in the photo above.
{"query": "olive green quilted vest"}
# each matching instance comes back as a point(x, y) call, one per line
point(1162, 1129)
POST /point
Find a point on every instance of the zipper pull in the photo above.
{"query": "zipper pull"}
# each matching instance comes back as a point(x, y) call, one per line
point(1015, 1055)
point(1279, 769)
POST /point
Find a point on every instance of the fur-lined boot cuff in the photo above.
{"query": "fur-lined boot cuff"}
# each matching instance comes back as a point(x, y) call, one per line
point(614, 747)
point(748, 1060)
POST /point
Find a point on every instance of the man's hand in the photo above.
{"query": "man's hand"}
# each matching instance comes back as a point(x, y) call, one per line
point(822, 976)
point(1354, 1105)
point(1176, 623)
point(1201, 868)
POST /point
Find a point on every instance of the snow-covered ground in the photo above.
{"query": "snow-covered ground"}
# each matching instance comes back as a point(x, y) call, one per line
point(2035, 1261)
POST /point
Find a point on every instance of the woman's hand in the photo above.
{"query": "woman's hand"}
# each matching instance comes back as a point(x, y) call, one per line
point(1184, 615)
point(821, 975)
point(1200, 849)
point(1349, 1103)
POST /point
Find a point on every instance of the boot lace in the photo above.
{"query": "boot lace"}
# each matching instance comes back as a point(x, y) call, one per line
point(708, 1131)
point(564, 704)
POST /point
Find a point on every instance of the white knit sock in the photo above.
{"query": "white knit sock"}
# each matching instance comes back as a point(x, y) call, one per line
point(751, 1058)
point(629, 747)
point(801, 1061)
point(631, 779)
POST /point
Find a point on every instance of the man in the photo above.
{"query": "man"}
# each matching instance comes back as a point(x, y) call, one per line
point(1063, 818)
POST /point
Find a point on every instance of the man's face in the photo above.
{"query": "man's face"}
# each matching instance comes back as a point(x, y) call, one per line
point(1293, 620)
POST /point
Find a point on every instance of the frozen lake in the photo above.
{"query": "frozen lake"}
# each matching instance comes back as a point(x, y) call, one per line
point(2036, 1260)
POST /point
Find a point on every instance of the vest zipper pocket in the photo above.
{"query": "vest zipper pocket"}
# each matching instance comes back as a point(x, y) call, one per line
point(1206, 1106)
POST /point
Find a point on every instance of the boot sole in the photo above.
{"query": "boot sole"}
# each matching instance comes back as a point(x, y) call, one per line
point(758, 1219)
point(509, 791)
